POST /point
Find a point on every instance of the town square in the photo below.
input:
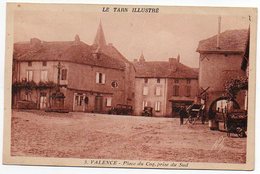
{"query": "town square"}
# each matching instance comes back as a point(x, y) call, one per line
point(136, 86)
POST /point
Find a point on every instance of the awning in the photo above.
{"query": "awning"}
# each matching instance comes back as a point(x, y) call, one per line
point(181, 99)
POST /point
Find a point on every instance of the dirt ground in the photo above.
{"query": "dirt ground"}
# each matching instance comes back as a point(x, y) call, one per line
point(84, 135)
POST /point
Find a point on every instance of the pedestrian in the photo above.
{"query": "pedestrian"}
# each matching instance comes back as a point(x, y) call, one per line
point(182, 114)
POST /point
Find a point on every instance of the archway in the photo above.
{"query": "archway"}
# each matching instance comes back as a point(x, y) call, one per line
point(221, 106)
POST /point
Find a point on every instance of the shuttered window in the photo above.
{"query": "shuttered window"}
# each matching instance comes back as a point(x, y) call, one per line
point(109, 101)
point(145, 90)
point(44, 75)
point(188, 91)
point(145, 103)
point(176, 90)
point(157, 106)
point(100, 78)
point(29, 75)
point(158, 91)
point(64, 74)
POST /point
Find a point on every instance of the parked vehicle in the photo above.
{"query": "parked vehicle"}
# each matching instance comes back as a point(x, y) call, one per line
point(121, 109)
point(148, 111)
point(236, 122)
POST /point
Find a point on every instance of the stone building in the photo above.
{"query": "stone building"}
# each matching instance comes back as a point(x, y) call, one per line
point(221, 57)
point(164, 86)
point(93, 78)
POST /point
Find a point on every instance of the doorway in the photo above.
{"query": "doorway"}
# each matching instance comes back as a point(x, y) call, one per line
point(43, 100)
point(79, 102)
point(98, 104)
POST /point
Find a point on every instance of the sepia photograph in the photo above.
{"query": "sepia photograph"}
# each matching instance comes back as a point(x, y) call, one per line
point(130, 86)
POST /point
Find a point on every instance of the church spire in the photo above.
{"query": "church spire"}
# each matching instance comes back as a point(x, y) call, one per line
point(100, 37)
point(142, 59)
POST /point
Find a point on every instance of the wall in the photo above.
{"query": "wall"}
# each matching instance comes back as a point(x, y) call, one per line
point(182, 91)
point(215, 70)
point(151, 97)
point(82, 79)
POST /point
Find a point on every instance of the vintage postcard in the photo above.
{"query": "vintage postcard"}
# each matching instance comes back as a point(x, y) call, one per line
point(130, 86)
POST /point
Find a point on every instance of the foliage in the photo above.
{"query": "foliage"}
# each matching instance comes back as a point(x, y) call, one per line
point(234, 85)
point(46, 85)
point(30, 85)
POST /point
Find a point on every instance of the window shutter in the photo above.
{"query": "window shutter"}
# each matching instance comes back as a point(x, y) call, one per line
point(109, 101)
point(64, 74)
point(29, 75)
point(44, 77)
point(145, 90)
point(103, 78)
point(157, 106)
point(157, 90)
point(97, 77)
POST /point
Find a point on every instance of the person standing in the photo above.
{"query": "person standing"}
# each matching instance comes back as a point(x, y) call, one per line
point(182, 114)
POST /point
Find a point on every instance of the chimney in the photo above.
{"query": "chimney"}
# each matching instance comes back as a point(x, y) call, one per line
point(178, 58)
point(171, 60)
point(35, 43)
point(173, 65)
point(77, 40)
point(219, 30)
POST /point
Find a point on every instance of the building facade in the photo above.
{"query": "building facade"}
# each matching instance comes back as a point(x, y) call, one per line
point(93, 78)
point(220, 61)
point(164, 85)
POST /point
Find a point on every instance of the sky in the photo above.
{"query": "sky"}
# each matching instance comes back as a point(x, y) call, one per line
point(159, 36)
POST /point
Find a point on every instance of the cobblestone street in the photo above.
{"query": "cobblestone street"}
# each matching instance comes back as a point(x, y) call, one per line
point(84, 135)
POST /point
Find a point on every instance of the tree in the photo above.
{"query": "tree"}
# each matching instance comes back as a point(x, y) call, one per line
point(234, 85)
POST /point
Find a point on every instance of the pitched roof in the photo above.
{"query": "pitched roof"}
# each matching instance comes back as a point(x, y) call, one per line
point(110, 50)
point(229, 41)
point(65, 51)
point(164, 69)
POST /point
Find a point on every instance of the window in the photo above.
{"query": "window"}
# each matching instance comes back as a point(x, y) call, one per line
point(64, 74)
point(30, 63)
point(176, 80)
point(157, 106)
point(188, 91)
point(158, 80)
point(109, 101)
point(145, 103)
point(146, 80)
point(29, 75)
point(44, 76)
point(145, 90)
point(188, 81)
point(44, 63)
point(79, 100)
point(100, 78)
point(175, 90)
point(158, 91)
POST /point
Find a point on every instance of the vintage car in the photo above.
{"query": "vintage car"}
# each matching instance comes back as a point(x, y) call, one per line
point(121, 109)
point(236, 122)
point(148, 111)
